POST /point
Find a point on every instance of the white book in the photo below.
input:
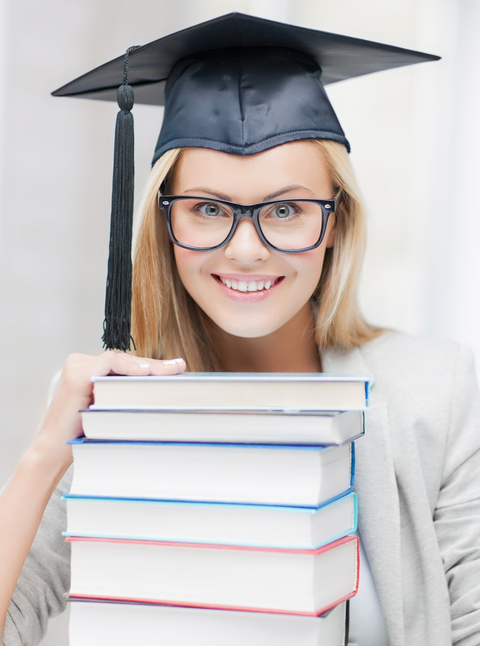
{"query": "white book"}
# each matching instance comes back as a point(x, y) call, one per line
point(123, 624)
point(307, 582)
point(302, 476)
point(187, 522)
point(230, 390)
point(240, 426)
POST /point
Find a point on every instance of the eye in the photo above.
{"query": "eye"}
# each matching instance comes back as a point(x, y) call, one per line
point(204, 211)
point(210, 209)
point(283, 210)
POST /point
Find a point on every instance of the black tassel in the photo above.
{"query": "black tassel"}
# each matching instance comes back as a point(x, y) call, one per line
point(116, 326)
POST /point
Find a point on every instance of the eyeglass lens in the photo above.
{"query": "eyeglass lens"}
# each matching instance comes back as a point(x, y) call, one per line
point(285, 225)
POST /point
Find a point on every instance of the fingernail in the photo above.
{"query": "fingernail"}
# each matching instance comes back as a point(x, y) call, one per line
point(144, 365)
point(172, 362)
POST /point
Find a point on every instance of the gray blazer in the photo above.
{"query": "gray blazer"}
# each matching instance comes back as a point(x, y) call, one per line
point(418, 483)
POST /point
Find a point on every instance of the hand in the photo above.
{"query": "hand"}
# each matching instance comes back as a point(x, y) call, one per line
point(75, 391)
point(48, 457)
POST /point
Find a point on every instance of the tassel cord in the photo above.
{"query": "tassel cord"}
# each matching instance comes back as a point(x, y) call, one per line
point(118, 296)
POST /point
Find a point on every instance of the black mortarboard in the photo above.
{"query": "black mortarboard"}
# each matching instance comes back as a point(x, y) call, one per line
point(237, 84)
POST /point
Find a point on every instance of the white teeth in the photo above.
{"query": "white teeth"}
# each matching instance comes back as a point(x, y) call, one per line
point(250, 286)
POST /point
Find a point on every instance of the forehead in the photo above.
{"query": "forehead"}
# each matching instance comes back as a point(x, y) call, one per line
point(252, 177)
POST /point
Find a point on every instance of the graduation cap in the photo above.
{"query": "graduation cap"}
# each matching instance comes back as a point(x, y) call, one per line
point(237, 84)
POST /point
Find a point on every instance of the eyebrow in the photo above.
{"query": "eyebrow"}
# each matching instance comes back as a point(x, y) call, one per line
point(287, 189)
point(270, 196)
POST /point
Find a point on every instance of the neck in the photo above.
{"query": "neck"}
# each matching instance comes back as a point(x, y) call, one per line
point(291, 348)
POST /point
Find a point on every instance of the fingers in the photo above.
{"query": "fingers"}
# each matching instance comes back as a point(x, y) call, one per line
point(75, 383)
point(165, 367)
point(120, 363)
point(74, 392)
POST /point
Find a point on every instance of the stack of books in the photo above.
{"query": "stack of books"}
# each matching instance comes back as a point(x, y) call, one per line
point(215, 509)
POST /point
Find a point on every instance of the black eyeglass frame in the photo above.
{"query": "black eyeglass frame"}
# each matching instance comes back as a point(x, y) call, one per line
point(252, 211)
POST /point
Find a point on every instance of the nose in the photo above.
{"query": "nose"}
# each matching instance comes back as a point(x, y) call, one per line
point(246, 246)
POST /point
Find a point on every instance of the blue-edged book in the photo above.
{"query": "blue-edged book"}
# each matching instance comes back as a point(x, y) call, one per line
point(211, 523)
point(287, 475)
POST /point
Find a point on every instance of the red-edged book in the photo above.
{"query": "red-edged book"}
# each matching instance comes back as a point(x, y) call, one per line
point(302, 582)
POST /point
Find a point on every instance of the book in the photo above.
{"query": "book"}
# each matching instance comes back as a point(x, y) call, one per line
point(298, 391)
point(198, 522)
point(240, 426)
point(122, 624)
point(305, 476)
point(304, 582)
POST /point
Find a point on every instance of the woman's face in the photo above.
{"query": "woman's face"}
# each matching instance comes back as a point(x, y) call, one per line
point(293, 170)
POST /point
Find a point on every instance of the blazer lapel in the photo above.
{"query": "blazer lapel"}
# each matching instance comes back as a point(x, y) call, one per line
point(378, 501)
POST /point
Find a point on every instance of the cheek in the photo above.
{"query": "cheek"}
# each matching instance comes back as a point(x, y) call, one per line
point(308, 268)
point(182, 260)
point(194, 272)
point(188, 263)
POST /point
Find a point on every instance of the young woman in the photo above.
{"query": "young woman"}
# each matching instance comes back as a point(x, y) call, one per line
point(265, 290)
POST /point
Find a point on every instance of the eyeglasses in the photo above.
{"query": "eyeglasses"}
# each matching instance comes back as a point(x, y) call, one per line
point(290, 226)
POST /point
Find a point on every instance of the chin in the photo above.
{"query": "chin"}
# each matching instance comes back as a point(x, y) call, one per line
point(249, 334)
point(249, 330)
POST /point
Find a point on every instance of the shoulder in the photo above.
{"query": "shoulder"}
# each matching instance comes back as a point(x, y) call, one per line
point(426, 377)
point(402, 359)
point(414, 357)
point(404, 347)
point(424, 381)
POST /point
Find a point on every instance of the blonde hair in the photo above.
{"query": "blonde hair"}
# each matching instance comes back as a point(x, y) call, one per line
point(167, 322)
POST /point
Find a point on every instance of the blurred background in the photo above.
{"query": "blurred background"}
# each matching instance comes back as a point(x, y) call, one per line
point(415, 138)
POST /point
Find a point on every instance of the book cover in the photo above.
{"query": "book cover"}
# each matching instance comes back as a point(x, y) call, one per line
point(300, 391)
point(286, 475)
point(216, 425)
point(213, 523)
point(106, 623)
point(303, 582)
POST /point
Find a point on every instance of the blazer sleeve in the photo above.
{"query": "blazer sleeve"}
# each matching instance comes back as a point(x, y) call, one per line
point(42, 587)
point(457, 515)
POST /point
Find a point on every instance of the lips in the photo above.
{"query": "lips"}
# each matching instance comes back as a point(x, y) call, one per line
point(243, 285)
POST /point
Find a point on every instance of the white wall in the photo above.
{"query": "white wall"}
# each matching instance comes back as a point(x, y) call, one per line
point(448, 115)
point(3, 95)
point(414, 134)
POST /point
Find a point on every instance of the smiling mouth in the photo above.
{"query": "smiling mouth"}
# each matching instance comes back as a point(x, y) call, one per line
point(249, 285)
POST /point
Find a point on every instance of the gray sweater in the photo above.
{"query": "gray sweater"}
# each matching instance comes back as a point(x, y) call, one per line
point(418, 481)
point(43, 585)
